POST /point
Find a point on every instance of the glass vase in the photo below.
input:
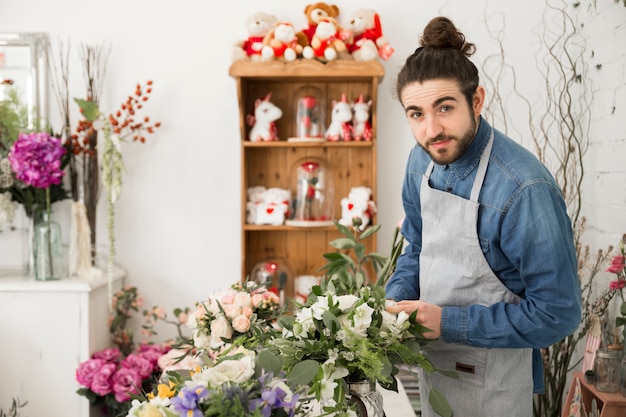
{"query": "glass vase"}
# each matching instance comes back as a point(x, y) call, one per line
point(369, 402)
point(47, 248)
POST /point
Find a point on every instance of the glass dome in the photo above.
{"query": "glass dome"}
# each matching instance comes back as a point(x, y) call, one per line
point(312, 193)
point(309, 112)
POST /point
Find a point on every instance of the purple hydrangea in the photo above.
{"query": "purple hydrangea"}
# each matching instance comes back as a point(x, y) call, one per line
point(36, 159)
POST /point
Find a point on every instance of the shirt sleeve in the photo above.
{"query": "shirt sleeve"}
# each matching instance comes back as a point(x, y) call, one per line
point(537, 238)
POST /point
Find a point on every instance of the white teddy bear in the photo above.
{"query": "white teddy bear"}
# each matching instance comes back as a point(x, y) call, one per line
point(258, 25)
point(267, 205)
point(357, 204)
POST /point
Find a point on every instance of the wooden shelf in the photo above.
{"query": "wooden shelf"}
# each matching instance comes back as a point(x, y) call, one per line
point(270, 164)
point(610, 404)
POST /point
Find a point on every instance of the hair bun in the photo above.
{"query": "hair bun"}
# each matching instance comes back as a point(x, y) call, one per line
point(441, 33)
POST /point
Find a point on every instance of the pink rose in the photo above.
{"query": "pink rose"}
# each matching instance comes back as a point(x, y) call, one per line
point(152, 352)
point(109, 355)
point(247, 311)
point(231, 310)
point(175, 360)
point(241, 324)
point(227, 297)
point(220, 328)
point(257, 300)
point(126, 381)
point(616, 285)
point(142, 365)
point(242, 299)
point(101, 383)
point(617, 264)
point(87, 370)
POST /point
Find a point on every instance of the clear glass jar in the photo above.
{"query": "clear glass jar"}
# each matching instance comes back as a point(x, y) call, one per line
point(368, 401)
point(309, 111)
point(314, 192)
point(607, 370)
point(276, 274)
point(622, 384)
point(47, 248)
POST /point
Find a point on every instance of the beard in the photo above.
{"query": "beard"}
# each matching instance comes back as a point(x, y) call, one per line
point(454, 150)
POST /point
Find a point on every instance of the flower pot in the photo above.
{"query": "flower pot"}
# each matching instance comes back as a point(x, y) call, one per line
point(369, 402)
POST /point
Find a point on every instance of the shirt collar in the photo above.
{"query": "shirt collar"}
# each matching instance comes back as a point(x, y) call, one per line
point(470, 159)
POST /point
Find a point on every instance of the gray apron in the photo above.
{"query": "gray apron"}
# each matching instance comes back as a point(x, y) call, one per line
point(454, 272)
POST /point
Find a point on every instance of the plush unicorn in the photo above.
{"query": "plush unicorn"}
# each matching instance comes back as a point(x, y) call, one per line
point(263, 121)
point(340, 127)
point(361, 128)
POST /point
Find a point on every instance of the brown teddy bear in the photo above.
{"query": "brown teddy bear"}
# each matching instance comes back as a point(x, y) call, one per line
point(367, 41)
point(258, 25)
point(314, 13)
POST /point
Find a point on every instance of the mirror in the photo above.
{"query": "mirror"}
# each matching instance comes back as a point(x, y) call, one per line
point(24, 63)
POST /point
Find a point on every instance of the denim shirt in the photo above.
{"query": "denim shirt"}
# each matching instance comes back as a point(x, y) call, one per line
point(526, 237)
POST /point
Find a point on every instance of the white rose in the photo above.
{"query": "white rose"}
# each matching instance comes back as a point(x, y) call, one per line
point(243, 299)
point(346, 301)
point(238, 371)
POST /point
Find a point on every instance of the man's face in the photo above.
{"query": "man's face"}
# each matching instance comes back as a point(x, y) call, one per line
point(440, 118)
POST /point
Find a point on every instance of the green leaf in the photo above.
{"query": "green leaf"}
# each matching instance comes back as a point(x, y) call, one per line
point(370, 231)
point(304, 372)
point(620, 321)
point(89, 109)
point(343, 243)
point(286, 322)
point(330, 321)
point(622, 309)
point(269, 362)
point(438, 402)
point(343, 229)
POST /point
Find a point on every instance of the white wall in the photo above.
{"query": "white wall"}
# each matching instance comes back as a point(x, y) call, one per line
point(178, 231)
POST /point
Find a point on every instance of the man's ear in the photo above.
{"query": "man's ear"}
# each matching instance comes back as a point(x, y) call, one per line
point(478, 100)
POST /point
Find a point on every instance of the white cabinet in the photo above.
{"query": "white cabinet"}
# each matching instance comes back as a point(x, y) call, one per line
point(46, 329)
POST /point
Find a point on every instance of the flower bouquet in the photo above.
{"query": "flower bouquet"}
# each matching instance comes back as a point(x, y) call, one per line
point(241, 383)
point(343, 334)
point(242, 315)
point(618, 267)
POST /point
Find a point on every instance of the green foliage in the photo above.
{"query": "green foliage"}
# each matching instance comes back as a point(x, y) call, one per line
point(13, 119)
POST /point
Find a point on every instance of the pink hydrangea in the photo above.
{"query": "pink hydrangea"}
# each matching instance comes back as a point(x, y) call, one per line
point(36, 159)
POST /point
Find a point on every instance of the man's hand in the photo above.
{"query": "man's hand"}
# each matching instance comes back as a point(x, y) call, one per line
point(428, 315)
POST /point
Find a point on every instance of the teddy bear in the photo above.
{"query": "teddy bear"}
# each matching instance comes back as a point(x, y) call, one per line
point(367, 41)
point(267, 205)
point(327, 42)
point(314, 12)
point(258, 25)
point(358, 204)
point(281, 43)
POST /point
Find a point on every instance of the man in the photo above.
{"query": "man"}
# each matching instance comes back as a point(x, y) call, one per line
point(490, 264)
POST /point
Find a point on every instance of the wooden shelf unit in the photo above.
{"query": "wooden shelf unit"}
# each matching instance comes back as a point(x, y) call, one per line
point(610, 404)
point(268, 164)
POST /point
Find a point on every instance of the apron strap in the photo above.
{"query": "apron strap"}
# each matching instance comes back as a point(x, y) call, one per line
point(482, 170)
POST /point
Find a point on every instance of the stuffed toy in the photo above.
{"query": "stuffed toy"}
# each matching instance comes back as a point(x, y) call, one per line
point(340, 127)
point(258, 25)
point(281, 43)
point(327, 42)
point(268, 205)
point(358, 204)
point(314, 13)
point(263, 121)
point(361, 127)
point(367, 40)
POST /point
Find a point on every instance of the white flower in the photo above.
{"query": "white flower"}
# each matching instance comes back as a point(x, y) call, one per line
point(362, 319)
point(320, 306)
point(346, 302)
point(303, 323)
point(237, 371)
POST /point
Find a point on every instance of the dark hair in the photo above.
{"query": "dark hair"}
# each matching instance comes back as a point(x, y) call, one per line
point(443, 53)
